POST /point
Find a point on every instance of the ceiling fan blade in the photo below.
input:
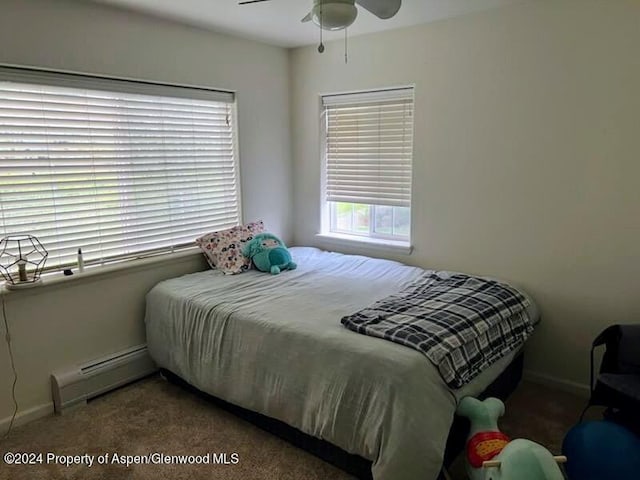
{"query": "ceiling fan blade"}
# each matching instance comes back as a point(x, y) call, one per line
point(307, 18)
point(381, 8)
point(247, 2)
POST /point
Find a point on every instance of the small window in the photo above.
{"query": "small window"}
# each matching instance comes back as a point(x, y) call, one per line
point(376, 221)
point(368, 155)
point(121, 169)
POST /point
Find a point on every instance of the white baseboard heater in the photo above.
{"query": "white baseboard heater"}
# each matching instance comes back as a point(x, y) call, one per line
point(74, 386)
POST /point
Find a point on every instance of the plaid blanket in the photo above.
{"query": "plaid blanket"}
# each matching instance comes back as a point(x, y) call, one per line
point(461, 323)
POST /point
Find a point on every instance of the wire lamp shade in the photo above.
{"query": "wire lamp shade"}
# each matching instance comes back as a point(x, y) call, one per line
point(22, 259)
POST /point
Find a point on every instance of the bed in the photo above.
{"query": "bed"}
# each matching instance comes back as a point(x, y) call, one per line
point(274, 345)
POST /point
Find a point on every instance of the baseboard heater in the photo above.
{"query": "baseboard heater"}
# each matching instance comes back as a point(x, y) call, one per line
point(74, 386)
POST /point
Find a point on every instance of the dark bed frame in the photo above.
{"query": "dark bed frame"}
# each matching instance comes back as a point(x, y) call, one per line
point(355, 465)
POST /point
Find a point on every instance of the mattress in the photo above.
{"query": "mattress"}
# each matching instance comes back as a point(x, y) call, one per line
point(274, 344)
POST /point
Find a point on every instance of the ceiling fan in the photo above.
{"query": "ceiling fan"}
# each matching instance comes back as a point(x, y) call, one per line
point(339, 14)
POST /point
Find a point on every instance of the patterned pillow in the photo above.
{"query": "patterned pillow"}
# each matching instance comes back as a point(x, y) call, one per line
point(223, 249)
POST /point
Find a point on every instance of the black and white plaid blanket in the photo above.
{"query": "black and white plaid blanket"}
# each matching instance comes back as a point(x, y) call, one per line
point(461, 323)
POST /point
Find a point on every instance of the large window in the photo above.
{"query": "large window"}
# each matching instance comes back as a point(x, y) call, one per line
point(118, 168)
point(368, 156)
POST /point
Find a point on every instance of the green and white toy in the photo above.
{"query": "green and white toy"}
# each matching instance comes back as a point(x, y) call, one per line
point(268, 253)
point(491, 455)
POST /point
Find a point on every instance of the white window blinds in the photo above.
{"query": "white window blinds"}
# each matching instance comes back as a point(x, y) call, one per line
point(369, 147)
point(101, 165)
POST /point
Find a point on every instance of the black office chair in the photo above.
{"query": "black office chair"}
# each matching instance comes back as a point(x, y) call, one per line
point(617, 386)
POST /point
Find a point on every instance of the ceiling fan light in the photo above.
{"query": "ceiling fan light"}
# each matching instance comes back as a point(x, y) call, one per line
point(335, 16)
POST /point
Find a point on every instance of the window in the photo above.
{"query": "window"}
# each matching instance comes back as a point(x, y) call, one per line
point(368, 155)
point(118, 168)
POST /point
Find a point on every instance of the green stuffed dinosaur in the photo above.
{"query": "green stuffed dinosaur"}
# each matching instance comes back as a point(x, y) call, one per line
point(518, 459)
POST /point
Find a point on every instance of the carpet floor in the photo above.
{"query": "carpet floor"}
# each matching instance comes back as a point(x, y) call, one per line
point(156, 416)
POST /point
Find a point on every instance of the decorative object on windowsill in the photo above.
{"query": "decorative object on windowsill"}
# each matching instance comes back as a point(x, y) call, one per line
point(80, 261)
point(22, 259)
point(339, 14)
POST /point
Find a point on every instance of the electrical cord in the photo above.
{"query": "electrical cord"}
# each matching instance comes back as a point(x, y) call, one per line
point(7, 337)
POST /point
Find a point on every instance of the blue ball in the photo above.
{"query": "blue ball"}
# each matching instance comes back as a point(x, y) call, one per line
point(600, 450)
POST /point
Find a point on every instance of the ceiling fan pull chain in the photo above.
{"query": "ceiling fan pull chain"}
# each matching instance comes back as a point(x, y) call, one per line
point(346, 47)
point(321, 46)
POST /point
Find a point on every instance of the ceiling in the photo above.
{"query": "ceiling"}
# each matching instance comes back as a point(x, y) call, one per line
point(278, 21)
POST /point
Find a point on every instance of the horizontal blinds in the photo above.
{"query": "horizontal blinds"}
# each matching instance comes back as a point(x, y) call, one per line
point(117, 173)
point(73, 80)
point(369, 147)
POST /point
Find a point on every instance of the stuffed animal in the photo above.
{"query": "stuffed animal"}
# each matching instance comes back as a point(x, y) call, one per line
point(491, 455)
point(268, 253)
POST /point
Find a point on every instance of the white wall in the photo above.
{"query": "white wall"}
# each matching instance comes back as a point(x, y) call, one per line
point(78, 321)
point(527, 155)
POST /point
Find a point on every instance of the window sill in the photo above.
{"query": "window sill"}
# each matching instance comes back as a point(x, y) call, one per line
point(96, 271)
point(365, 242)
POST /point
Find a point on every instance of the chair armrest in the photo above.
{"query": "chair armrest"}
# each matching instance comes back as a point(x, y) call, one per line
point(606, 335)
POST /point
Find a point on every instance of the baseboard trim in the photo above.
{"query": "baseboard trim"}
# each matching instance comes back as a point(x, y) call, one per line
point(576, 388)
point(27, 416)
point(580, 389)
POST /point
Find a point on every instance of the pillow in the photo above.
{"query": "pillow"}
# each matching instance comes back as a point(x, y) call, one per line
point(223, 249)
